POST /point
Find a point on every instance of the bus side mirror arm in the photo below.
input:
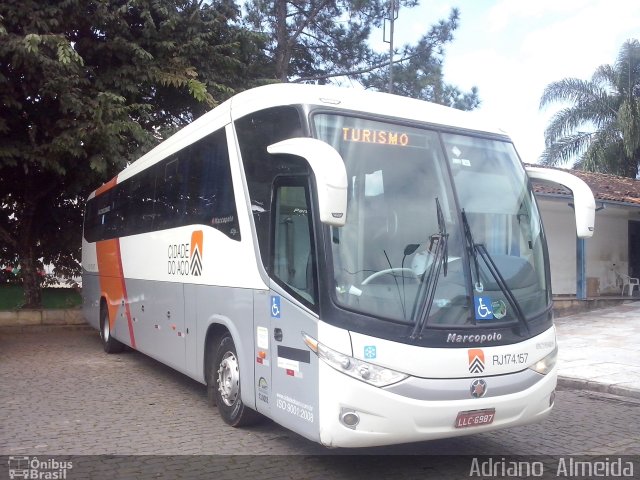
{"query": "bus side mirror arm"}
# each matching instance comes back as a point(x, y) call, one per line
point(585, 205)
point(330, 173)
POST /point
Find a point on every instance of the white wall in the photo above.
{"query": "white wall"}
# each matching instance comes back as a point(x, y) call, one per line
point(607, 247)
point(559, 226)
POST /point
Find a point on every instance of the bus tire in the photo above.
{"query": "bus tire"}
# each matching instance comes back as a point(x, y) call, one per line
point(226, 383)
point(109, 343)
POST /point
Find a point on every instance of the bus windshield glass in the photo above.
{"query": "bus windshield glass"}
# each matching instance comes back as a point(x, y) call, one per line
point(504, 221)
point(405, 255)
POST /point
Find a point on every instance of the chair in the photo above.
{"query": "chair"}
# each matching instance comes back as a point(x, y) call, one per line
point(630, 282)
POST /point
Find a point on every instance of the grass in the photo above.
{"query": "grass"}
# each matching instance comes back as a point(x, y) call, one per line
point(11, 297)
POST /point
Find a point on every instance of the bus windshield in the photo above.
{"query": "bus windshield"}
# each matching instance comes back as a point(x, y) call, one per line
point(408, 252)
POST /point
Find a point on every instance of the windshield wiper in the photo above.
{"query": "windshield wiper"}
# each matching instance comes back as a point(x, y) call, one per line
point(424, 300)
point(479, 248)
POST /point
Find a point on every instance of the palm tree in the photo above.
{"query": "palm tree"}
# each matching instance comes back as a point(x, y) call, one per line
point(601, 129)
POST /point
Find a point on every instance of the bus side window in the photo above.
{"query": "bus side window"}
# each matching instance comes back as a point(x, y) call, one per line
point(115, 218)
point(256, 132)
point(293, 258)
point(211, 199)
point(141, 191)
point(95, 215)
point(167, 202)
point(190, 188)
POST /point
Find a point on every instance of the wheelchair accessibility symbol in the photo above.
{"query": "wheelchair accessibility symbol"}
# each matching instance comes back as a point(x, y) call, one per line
point(483, 308)
point(275, 307)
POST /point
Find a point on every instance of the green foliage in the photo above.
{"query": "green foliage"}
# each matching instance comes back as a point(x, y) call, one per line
point(418, 71)
point(304, 40)
point(319, 41)
point(600, 129)
point(12, 297)
point(85, 87)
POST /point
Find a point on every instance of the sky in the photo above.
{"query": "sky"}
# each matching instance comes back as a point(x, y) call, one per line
point(512, 49)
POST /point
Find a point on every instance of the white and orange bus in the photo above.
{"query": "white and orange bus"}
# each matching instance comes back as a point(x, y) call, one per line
point(362, 268)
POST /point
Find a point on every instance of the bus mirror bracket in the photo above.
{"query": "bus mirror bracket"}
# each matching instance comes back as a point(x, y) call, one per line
point(584, 203)
point(330, 173)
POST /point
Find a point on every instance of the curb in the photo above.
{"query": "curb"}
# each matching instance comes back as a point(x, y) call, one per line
point(15, 329)
point(41, 317)
point(593, 386)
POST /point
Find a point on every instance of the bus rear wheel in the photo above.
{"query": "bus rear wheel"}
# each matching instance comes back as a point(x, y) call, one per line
point(226, 386)
point(110, 344)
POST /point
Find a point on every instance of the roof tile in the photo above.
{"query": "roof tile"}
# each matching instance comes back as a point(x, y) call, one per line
point(605, 187)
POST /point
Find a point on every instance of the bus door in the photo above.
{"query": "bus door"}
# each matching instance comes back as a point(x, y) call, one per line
point(292, 303)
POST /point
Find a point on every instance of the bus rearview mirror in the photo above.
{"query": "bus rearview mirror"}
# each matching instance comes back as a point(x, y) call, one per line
point(330, 173)
point(584, 203)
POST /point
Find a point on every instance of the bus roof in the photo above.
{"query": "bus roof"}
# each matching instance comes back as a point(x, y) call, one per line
point(366, 101)
point(357, 100)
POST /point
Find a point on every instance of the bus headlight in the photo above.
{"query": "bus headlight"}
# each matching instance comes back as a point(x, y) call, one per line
point(364, 371)
point(546, 364)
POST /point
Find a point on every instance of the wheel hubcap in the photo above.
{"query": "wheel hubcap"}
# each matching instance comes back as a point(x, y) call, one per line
point(229, 379)
point(105, 329)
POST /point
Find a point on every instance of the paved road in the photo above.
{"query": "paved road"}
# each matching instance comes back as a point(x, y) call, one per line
point(61, 395)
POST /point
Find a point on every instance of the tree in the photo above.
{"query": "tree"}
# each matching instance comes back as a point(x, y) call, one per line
point(314, 39)
point(418, 71)
point(85, 86)
point(322, 40)
point(601, 127)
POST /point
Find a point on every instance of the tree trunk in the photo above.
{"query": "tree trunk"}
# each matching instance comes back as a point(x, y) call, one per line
point(31, 282)
point(282, 45)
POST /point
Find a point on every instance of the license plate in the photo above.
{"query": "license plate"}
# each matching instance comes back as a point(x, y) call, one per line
point(475, 418)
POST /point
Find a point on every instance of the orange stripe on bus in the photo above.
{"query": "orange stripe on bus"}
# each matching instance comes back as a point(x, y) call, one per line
point(106, 186)
point(112, 282)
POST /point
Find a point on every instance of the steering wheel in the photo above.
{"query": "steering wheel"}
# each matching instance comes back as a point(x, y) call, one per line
point(386, 271)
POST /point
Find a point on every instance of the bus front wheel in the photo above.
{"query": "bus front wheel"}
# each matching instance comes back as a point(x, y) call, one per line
point(226, 376)
point(110, 344)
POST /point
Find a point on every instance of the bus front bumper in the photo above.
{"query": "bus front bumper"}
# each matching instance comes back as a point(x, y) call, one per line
point(355, 414)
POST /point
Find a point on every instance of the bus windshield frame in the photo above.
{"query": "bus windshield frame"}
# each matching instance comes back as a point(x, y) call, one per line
point(406, 184)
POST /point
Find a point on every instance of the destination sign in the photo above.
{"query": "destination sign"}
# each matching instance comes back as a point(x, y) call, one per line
point(379, 137)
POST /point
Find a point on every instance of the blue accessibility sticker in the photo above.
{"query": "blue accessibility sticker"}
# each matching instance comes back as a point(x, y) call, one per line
point(275, 307)
point(370, 351)
point(483, 308)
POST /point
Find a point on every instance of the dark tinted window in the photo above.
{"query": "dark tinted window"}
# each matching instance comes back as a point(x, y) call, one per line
point(141, 191)
point(170, 192)
point(115, 218)
point(255, 133)
point(211, 199)
point(94, 215)
point(191, 187)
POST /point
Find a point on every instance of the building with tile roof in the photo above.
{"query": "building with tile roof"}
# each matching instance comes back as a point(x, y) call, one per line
point(602, 264)
point(605, 187)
